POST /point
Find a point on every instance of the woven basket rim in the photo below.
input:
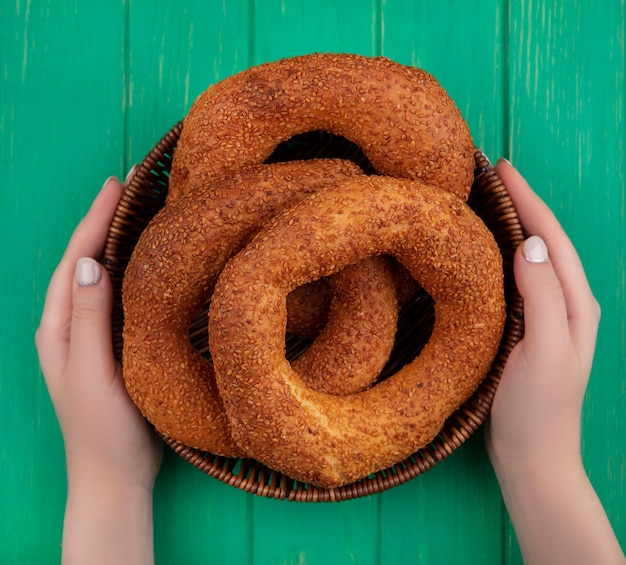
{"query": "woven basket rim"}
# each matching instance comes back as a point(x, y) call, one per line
point(144, 194)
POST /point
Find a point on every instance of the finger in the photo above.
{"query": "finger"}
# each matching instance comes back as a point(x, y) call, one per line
point(545, 310)
point(52, 336)
point(538, 219)
point(87, 240)
point(90, 333)
point(90, 235)
point(131, 174)
point(535, 216)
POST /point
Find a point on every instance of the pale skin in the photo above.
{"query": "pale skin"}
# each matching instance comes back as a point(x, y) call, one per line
point(113, 457)
point(533, 437)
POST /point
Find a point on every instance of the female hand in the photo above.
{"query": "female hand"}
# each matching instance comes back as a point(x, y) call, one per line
point(112, 455)
point(537, 408)
point(533, 436)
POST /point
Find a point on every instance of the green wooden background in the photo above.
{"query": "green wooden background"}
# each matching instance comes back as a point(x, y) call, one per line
point(88, 87)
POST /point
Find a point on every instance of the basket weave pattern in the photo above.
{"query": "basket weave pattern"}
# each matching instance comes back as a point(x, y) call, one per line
point(145, 194)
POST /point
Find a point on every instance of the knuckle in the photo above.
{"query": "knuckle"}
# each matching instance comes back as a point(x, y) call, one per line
point(40, 336)
point(84, 311)
point(44, 333)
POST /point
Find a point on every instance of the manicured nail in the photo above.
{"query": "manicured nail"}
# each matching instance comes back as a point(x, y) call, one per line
point(504, 160)
point(130, 173)
point(109, 179)
point(535, 250)
point(88, 272)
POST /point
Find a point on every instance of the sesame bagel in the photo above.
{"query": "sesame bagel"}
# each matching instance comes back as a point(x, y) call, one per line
point(329, 440)
point(400, 116)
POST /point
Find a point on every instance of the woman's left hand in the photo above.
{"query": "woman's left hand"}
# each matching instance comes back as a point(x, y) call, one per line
point(104, 433)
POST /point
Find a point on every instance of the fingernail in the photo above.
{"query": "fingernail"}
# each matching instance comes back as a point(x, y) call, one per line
point(504, 160)
point(130, 173)
point(535, 250)
point(88, 272)
point(109, 179)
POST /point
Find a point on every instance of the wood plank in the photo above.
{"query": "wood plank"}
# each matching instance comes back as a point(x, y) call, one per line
point(450, 514)
point(61, 133)
point(287, 29)
point(315, 533)
point(196, 516)
point(567, 132)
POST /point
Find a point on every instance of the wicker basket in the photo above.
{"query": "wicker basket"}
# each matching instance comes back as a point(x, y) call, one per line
point(145, 195)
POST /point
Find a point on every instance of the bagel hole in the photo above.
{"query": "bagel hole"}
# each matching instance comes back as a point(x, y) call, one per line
point(416, 321)
point(320, 144)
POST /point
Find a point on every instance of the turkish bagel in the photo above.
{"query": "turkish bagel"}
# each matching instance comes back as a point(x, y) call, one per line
point(400, 116)
point(333, 440)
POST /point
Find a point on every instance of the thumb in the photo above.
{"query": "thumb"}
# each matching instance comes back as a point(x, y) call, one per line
point(92, 299)
point(545, 312)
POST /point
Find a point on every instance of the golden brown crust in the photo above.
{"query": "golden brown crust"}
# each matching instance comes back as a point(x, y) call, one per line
point(354, 346)
point(332, 440)
point(400, 117)
point(406, 286)
point(308, 305)
point(171, 276)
